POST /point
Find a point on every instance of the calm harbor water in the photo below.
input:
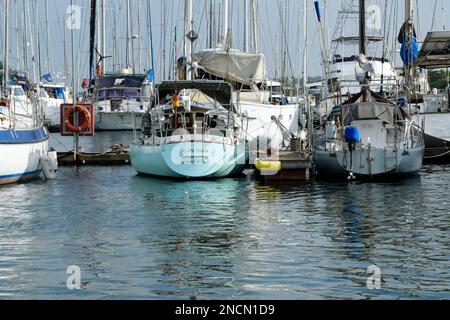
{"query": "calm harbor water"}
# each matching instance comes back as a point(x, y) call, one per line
point(138, 238)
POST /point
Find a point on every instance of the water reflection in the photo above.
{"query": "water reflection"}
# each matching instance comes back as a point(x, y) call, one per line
point(227, 239)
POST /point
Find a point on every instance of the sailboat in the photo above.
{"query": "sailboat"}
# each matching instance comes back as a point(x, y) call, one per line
point(269, 121)
point(369, 135)
point(432, 106)
point(190, 134)
point(51, 97)
point(193, 131)
point(341, 65)
point(53, 91)
point(122, 97)
point(23, 138)
point(120, 100)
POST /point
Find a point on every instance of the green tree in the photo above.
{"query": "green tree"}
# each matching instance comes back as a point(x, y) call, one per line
point(437, 79)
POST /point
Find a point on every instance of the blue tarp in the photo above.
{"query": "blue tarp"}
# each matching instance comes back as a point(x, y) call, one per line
point(409, 53)
point(59, 93)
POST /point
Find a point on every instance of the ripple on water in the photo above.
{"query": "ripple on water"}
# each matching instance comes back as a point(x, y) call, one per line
point(232, 238)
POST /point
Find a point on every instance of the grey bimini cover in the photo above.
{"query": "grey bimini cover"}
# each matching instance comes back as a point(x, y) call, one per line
point(373, 110)
point(232, 65)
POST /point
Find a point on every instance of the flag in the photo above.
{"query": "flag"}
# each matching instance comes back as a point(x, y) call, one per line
point(47, 77)
point(317, 7)
point(150, 75)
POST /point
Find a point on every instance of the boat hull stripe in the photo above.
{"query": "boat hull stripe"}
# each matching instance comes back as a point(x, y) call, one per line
point(22, 136)
point(19, 175)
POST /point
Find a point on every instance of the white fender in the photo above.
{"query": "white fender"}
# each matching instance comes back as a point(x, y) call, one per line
point(54, 158)
point(48, 168)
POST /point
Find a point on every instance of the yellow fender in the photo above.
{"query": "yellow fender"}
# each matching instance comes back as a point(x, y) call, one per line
point(268, 167)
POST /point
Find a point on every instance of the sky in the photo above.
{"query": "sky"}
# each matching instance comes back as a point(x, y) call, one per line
point(280, 26)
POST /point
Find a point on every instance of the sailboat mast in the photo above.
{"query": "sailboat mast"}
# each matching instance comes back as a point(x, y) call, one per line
point(362, 27)
point(47, 36)
point(305, 48)
point(66, 70)
point(103, 7)
point(187, 30)
point(6, 47)
point(225, 22)
point(409, 29)
point(149, 20)
point(38, 39)
point(92, 32)
point(19, 34)
point(32, 44)
point(139, 39)
point(25, 36)
point(246, 26)
point(128, 34)
point(211, 24)
point(255, 27)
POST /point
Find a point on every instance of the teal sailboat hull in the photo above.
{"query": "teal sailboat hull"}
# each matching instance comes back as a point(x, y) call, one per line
point(189, 160)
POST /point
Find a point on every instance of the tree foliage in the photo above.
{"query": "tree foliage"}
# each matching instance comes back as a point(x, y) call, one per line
point(437, 79)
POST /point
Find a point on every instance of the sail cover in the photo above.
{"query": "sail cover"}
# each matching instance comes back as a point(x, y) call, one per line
point(246, 68)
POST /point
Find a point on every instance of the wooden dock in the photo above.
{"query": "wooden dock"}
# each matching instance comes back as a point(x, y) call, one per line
point(98, 159)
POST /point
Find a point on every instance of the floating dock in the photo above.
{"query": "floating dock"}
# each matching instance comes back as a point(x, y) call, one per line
point(284, 167)
point(99, 159)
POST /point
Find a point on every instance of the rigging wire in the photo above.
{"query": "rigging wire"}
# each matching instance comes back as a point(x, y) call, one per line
point(434, 14)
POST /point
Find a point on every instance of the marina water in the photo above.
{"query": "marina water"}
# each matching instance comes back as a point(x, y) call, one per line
point(138, 238)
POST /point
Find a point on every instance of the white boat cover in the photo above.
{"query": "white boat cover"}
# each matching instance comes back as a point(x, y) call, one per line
point(242, 67)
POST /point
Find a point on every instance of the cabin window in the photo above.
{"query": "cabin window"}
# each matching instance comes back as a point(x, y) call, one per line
point(114, 93)
point(102, 94)
point(130, 93)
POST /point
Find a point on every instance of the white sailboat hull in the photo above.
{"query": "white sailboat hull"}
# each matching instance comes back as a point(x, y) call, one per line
point(20, 154)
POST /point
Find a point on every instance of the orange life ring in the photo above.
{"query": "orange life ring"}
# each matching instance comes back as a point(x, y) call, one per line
point(87, 119)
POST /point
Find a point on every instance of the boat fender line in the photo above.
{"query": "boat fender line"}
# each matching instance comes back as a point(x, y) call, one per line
point(87, 119)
